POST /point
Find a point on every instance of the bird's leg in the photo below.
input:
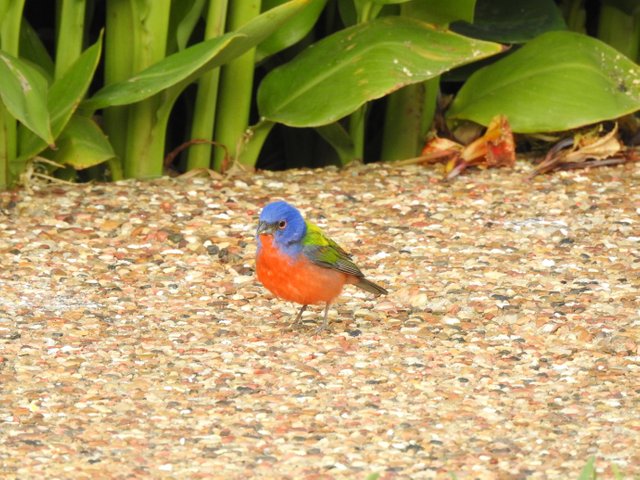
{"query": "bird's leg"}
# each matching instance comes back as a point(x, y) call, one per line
point(298, 318)
point(325, 320)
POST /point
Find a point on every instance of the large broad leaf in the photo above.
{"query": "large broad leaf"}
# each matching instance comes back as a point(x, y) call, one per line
point(560, 80)
point(162, 75)
point(509, 21)
point(82, 144)
point(64, 97)
point(334, 77)
point(296, 29)
point(271, 21)
point(23, 90)
point(185, 66)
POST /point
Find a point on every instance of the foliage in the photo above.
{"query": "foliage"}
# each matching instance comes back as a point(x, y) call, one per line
point(42, 111)
point(322, 81)
point(362, 63)
point(557, 81)
point(589, 471)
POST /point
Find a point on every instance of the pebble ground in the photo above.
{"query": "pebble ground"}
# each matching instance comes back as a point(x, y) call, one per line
point(135, 341)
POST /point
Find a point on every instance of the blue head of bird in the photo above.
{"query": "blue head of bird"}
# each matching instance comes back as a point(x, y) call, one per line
point(285, 223)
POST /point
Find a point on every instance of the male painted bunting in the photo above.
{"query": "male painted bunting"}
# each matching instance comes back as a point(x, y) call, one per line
point(296, 261)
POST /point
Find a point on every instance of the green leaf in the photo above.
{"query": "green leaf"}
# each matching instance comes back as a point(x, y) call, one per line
point(366, 10)
point(619, 30)
point(185, 15)
point(32, 49)
point(267, 23)
point(23, 90)
point(67, 92)
point(559, 81)
point(347, 11)
point(390, 2)
point(441, 12)
point(617, 474)
point(293, 31)
point(82, 144)
point(630, 7)
point(183, 67)
point(64, 97)
point(163, 74)
point(336, 76)
point(507, 21)
point(589, 470)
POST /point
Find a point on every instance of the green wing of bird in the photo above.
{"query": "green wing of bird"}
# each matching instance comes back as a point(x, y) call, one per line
point(324, 252)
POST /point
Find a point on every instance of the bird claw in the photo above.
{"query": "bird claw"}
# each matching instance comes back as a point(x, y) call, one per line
point(297, 321)
point(320, 329)
point(324, 327)
point(293, 325)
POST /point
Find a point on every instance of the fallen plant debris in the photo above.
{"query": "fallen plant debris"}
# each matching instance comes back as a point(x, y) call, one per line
point(36, 171)
point(494, 148)
point(594, 148)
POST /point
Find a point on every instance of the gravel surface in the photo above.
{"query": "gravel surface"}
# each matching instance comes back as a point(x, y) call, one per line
point(136, 342)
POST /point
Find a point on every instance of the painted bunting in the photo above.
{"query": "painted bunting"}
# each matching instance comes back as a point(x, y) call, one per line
point(296, 261)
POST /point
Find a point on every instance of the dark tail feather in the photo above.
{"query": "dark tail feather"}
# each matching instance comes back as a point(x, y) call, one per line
point(371, 287)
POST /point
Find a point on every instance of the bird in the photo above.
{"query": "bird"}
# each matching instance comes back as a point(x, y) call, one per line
point(297, 262)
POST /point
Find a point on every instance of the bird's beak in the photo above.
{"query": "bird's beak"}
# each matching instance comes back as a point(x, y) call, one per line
point(265, 228)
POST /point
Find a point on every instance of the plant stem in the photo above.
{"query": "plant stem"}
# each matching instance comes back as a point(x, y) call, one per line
point(10, 25)
point(576, 16)
point(619, 30)
point(410, 113)
point(118, 66)
point(252, 145)
point(429, 105)
point(366, 11)
point(339, 139)
point(403, 123)
point(236, 82)
point(10, 21)
point(7, 145)
point(70, 34)
point(357, 123)
point(205, 109)
point(145, 145)
point(115, 169)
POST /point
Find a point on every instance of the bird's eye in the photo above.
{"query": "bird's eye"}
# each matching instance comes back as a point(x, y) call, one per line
point(282, 224)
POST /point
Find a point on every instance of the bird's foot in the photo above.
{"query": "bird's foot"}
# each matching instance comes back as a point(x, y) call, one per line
point(325, 321)
point(298, 320)
point(293, 325)
point(322, 328)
